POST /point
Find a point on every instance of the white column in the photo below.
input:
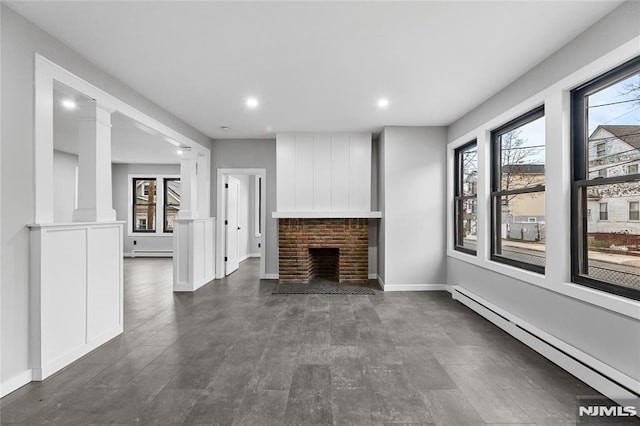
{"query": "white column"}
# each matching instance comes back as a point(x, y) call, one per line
point(189, 184)
point(43, 154)
point(95, 197)
point(558, 186)
point(204, 161)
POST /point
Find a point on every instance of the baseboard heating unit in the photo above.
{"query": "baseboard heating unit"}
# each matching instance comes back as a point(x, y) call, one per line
point(151, 253)
point(603, 378)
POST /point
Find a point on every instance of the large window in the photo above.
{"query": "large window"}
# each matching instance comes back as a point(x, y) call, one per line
point(606, 136)
point(518, 185)
point(172, 193)
point(144, 205)
point(466, 198)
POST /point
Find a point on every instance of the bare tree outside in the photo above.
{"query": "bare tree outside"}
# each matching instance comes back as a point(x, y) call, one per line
point(517, 158)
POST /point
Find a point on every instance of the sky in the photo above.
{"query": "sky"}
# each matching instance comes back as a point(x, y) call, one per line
point(624, 109)
point(625, 112)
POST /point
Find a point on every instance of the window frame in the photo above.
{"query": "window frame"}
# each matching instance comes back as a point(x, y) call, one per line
point(497, 193)
point(166, 204)
point(580, 177)
point(604, 212)
point(159, 217)
point(458, 195)
point(134, 204)
point(636, 210)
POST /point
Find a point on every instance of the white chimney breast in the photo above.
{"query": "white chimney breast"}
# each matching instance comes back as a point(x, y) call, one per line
point(321, 172)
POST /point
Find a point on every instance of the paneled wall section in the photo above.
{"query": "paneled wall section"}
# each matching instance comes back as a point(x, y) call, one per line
point(323, 172)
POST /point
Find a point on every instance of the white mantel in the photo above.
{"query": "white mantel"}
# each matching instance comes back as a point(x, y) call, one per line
point(325, 215)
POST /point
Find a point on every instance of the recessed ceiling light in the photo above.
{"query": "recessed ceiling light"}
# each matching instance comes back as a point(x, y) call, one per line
point(225, 128)
point(252, 103)
point(383, 103)
point(69, 104)
point(180, 152)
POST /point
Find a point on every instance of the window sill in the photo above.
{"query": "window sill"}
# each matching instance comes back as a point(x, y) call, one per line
point(150, 234)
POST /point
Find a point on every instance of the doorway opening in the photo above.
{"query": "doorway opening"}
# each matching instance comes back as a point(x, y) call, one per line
point(241, 212)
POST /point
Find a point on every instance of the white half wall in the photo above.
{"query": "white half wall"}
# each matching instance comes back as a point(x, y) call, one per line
point(194, 248)
point(413, 197)
point(77, 297)
point(20, 41)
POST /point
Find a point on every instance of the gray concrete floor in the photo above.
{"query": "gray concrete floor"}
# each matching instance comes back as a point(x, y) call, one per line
point(232, 353)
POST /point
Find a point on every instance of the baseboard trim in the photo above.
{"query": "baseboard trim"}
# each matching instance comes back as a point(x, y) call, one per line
point(606, 380)
point(15, 383)
point(271, 276)
point(39, 374)
point(249, 255)
point(186, 287)
point(415, 287)
point(373, 276)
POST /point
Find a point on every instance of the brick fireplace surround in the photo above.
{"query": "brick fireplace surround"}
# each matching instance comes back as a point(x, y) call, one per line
point(297, 235)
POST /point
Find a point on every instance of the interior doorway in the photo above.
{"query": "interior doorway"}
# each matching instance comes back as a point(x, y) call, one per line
point(241, 217)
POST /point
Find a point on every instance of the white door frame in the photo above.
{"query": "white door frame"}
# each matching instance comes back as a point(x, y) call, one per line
point(221, 216)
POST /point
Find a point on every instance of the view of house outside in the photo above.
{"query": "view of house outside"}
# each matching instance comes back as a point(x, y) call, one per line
point(172, 193)
point(613, 210)
point(146, 203)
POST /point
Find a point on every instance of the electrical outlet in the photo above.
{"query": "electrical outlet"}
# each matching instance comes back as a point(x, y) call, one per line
point(135, 242)
point(259, 245)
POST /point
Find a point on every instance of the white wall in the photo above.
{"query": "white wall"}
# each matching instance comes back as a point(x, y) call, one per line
point(414, 239)
point(120, 177)
point(19, 41)
point(381, 206)
point(374, 223)
point(64, 184)
point(252, 154)
point(590, 323)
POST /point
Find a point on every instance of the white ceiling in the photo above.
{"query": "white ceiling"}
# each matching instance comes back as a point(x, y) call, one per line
point(131, 142)
point(315, 66)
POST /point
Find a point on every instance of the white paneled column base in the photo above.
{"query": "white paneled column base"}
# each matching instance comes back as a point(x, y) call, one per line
point(193, 253)
point(76, 292)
